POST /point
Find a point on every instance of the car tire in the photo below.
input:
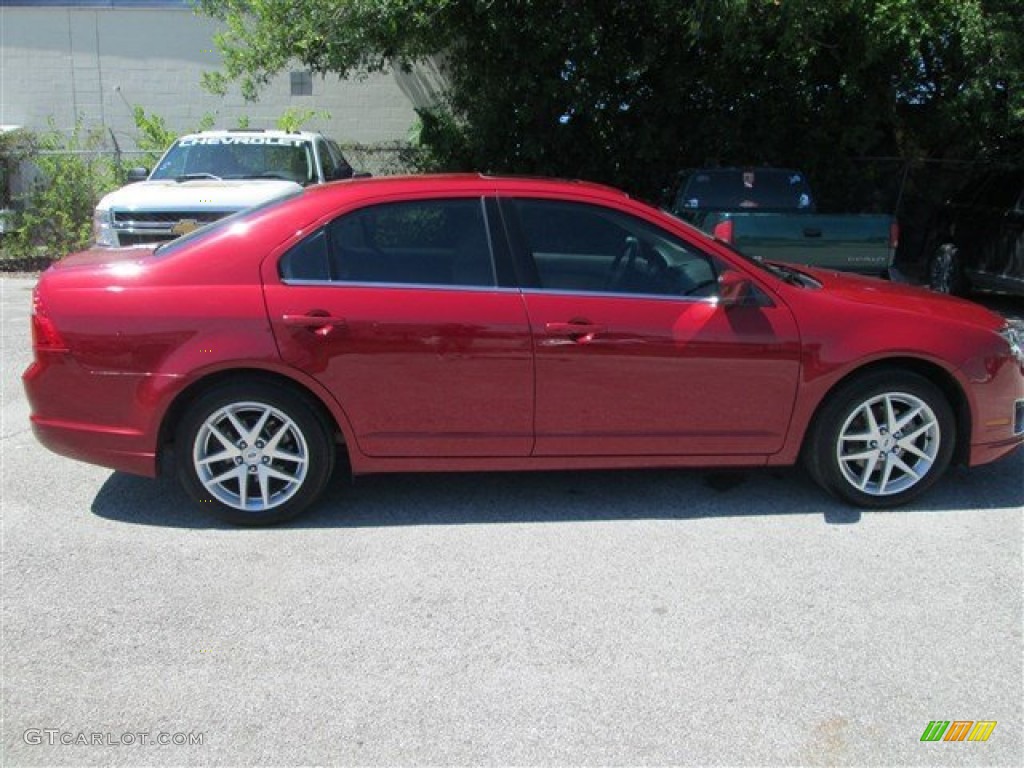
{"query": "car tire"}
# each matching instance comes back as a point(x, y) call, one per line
point(253, 453)
point(946, 272)
point(881, 439)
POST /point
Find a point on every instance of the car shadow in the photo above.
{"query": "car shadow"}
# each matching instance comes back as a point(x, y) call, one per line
point(570, 496)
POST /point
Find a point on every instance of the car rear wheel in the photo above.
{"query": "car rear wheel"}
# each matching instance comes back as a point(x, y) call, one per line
point(253, 453)
point(945, 272)
point(882, 440)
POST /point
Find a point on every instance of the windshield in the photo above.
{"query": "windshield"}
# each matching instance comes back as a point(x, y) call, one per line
point(239, 157)
point(734, 189)
point(219, 225)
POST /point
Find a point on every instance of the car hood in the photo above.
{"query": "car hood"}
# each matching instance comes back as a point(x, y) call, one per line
point(197, 194)
point(912, 299)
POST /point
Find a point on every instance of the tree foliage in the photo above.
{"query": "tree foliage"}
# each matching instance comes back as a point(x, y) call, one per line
point(628, 91)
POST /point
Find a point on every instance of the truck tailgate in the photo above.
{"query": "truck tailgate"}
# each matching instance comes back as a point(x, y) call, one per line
point(854, 242)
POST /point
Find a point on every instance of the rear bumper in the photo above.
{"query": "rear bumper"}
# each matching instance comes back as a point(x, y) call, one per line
point(92, 418)
point(107, 447)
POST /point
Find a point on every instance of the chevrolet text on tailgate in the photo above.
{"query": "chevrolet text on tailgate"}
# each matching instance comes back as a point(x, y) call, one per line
point(467, 322)
point(207, 176)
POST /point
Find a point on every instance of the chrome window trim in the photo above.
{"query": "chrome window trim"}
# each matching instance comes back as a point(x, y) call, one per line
point(392, 286)
point(495, 289)
point(614, 295)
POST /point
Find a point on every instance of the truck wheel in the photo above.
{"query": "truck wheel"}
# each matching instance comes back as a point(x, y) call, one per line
point(882, 439)
point(945, 272)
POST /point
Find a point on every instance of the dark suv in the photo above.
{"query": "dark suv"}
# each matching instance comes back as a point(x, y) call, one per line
point(981, 237)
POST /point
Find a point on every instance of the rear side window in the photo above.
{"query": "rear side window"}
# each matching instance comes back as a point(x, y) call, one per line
point(423, 242)
point(309, 260)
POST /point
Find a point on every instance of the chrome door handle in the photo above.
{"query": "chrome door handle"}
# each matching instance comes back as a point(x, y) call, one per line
point(320, 324)
point(577, 331)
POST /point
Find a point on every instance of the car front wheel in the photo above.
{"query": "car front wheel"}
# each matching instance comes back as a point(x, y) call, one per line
point(882, 440)
point(253, 454)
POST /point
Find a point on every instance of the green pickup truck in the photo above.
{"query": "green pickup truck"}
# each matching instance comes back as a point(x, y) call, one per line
point(770, 213)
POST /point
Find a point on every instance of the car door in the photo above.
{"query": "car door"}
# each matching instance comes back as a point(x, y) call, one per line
point(395, 308)
point(634, 355)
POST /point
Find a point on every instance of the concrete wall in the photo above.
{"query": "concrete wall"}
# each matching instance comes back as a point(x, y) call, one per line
point(100, 62)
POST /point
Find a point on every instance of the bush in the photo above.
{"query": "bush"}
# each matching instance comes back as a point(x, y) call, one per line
point(72, 172)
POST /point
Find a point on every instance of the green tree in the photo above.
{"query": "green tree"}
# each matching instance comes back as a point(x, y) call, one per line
point(154, 137)
point(292, 119)
point(627, 91)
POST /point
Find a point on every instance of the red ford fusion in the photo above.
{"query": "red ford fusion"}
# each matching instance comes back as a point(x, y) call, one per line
point(473, 323)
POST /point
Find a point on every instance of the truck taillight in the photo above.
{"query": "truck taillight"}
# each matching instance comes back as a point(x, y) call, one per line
point(723, 231)
point(894, 235)
point(45, 335)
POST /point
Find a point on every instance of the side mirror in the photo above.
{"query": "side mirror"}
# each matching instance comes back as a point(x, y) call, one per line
point(137, 174)
point(734, 289)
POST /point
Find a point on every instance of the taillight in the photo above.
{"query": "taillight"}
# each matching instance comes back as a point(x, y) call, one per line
point(894, 235)
point(723, 231)
point(45, 335)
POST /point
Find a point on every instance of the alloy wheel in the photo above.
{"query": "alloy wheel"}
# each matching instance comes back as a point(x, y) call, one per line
point(888, 444)
point(250, 456)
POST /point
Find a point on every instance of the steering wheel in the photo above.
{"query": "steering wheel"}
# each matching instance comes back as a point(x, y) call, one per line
point(623, 264)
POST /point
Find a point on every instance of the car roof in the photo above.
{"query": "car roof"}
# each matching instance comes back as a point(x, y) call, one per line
point(461, 182)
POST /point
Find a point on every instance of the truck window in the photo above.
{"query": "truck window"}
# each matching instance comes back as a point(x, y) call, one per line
point(733, 189)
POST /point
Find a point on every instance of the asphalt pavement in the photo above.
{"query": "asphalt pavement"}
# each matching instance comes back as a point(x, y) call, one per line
point(601, 618)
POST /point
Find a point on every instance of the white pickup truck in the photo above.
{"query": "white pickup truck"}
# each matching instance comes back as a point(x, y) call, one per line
point(206, 176)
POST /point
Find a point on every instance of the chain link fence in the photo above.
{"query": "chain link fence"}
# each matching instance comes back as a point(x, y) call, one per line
point(912, 191)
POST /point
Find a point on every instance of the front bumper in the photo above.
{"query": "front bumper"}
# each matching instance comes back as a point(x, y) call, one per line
point(996, 393)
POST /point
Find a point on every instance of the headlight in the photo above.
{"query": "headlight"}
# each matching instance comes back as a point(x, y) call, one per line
point(1013, 332)
point(103, 228)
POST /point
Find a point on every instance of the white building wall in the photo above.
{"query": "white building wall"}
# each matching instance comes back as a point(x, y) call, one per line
point(101, 62)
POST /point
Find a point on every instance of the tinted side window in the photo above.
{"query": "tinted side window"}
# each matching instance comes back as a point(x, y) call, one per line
point(435, 242)
point(307, 260)
point(342, 168)
point(578, 247)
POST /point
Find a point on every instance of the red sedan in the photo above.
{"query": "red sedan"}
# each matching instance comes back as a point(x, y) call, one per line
point(473, 323)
